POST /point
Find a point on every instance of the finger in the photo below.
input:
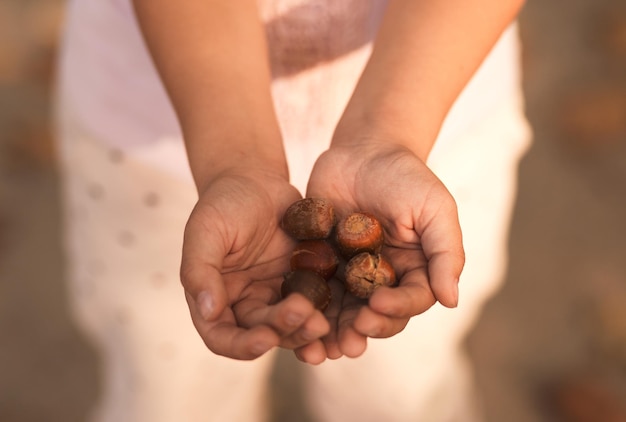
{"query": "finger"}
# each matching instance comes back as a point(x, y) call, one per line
point(225, 338)
point(331, 340)
point(372, 324)
point(412, 296)
point(203, 253)
point(331, 343)
point(445, 280)
point(442, 242)
point(313, 330)
point(239, 343)
point(294, 318)
point(351, 342)
point(204, 285)
point(313, 353)
point(285, 316)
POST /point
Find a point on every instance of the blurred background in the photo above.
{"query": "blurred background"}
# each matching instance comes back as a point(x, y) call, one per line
point(551, 346)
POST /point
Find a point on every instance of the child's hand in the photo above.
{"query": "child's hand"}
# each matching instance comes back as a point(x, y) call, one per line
point(234, 258)
point(423, 238)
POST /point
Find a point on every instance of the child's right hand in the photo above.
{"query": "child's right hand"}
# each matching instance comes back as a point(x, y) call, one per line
point(234, 258)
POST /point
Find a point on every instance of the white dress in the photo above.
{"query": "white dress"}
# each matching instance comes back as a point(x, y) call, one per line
point(128, 193)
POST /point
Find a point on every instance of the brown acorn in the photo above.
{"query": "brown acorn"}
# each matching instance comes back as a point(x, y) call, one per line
point(365, 272)
point(359, 232)
point(310, 285)
point(318, 256)
point(309, 218)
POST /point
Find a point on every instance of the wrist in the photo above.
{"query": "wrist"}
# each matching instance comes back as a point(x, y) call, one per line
point(210, 160)
point(375, 125)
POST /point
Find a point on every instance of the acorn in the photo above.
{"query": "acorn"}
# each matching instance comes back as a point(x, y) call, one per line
point(359, 232)
point(366, 272)
point(309, 218)
point(309, 284)
point(318, 256)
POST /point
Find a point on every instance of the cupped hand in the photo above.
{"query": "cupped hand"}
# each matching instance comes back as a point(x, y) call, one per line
point(234, 258)
point(423, 239)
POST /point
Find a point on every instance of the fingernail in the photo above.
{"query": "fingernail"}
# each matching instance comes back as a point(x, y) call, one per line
point(205, 304)
point(260, 347)
point(294, 319)
point(308, 335)
point(374, 332)
point(455, 293)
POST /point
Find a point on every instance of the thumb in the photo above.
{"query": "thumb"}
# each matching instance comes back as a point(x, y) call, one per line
point(204, 286)
point(200, 271)
point(443, 247)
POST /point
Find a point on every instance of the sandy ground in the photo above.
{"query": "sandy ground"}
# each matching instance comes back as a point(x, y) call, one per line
point(551, 346)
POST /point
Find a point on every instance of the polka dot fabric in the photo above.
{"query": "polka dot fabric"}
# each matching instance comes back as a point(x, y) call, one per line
point(124, 222)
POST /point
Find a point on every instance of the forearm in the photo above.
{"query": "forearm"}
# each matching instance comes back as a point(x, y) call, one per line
point(212, 59)
point(425, 53)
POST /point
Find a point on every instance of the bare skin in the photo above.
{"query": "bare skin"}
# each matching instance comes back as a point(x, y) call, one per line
point(212, 58)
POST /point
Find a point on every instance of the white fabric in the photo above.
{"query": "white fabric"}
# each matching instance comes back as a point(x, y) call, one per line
point(107, 76)
point(128, 193)
point(124, 230)
point(124, 224)
point(422, 374)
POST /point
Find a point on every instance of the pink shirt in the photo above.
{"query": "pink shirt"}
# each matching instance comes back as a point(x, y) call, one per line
point(317, 50)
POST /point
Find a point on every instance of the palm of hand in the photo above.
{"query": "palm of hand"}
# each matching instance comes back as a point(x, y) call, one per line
point(413, 206)
point(233, 243)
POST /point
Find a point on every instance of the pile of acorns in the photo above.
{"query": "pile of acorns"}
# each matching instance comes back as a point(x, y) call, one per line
point(348, 249)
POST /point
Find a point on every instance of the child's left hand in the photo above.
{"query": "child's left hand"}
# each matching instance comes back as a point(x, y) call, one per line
point(422, 239)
